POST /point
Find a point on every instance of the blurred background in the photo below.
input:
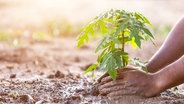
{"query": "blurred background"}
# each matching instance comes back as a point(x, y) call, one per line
point(45, 18)
point(39, 24)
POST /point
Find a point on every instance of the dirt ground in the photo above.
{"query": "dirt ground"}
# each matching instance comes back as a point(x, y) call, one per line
point(39, 72)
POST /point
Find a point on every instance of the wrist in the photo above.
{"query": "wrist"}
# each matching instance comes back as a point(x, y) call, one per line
point(159, 82)
point(150, 68)
point(155, 87)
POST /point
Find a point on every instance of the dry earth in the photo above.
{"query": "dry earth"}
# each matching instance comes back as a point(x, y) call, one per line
point(39, 72)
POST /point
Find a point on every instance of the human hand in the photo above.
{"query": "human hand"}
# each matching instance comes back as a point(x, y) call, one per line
point(119, 71)
point(129, 82)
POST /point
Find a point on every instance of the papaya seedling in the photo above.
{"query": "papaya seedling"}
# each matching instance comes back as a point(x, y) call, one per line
point(119, 28)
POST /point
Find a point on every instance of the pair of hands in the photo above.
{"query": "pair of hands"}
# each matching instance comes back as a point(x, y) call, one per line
point(129, 81)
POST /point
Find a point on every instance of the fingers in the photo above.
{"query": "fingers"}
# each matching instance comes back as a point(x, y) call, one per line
point(118, 70)
point(103, 76)
point(125, 69)
point(128, 91)
point(108, 78)
point(105, 80)
point(108, 90)
point(112, 83)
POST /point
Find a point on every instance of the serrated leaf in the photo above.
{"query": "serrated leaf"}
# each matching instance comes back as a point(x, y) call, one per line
point(104, 60)
point(80, 40)
point(92, 67)
point(103, 44)
point(133, 44)
point(92, 31)
point(138, 40)
point(115, 40)
point(139, 15)
point(111, 63)
point(103, 27)
point(113, 73)
point(118, 60)
point(121, 19)
point(120, 28)
point(101, 55)
point(80, 43)
point(148, 32)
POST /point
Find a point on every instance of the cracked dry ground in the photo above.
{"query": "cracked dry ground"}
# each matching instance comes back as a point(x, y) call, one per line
point(41, 72)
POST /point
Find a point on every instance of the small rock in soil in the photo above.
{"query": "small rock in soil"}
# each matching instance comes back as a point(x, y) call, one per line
point(50, 76)
point(41, 73)
point(10, 67)
point(77, 59)
point(85, 47)
point(2, 100)
point(13, 76)
point(77, 97)
point(26, 98)
point(28, 71)
point(58, 74)
point(78, 76)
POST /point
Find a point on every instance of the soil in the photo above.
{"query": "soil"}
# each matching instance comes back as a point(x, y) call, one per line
point(39, 72)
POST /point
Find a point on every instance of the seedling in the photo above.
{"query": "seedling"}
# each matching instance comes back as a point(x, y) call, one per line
point(119, 27)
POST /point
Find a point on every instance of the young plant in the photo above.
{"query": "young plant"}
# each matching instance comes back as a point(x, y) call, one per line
point(119, 27)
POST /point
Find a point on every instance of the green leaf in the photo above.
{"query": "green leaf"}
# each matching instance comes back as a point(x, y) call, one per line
point(99, 60)
point(133, 44)
point(148, 32)
point(139, 15)
point(138, 40)
point(118, 60)
point(103, 44)
point(122, 19)
point(113, 73)
point(120, 28)
point(144, 69)
point(92, 67)
point(117, 41)
point(80, 41)
point(141, 64)
point(111, 63)
point(93, 74)
point(104, 60)
point(103, 27)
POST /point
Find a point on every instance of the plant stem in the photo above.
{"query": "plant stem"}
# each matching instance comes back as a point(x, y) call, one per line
point(123, 48)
